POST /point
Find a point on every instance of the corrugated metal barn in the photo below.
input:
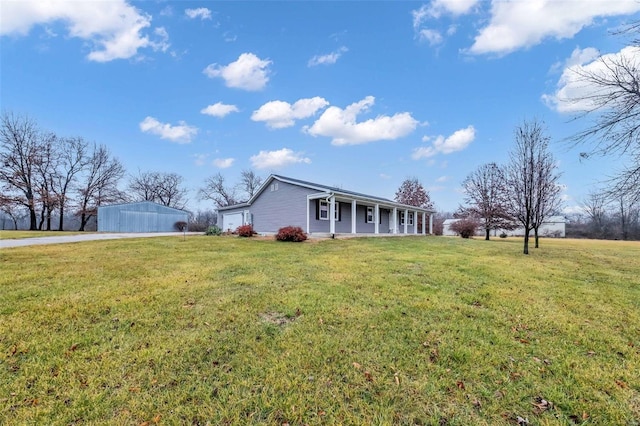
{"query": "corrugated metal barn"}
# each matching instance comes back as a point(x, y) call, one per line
point(144, 216)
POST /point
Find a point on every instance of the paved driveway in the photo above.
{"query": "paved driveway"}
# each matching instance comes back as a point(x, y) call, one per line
point(82, 237)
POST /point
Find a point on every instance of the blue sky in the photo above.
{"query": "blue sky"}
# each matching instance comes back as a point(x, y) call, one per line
point(355, 94)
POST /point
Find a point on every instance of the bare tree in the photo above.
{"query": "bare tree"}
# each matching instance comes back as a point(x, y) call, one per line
point(628, 212)
point(72, 158)
point(596, 207)
point(486, 196)
point(217, 191)
point(12, 209)
point(162, 188)
point(20, 144)
point(98, 183)
point(412, 193)
point(249, 182)
point(45, 167)
point(532, 179)
point(614, 104)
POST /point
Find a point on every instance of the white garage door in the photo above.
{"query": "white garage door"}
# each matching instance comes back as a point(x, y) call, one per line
point(230, 221)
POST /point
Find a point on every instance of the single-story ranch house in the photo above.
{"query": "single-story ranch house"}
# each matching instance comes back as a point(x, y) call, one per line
point(322, 210)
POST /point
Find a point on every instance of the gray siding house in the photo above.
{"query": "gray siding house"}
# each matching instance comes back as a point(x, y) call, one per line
point(143, 216)
point(322, 210)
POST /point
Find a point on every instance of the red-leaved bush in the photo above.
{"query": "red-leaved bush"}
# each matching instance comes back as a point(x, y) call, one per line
point(245, 231)
point(465, 227)
point(291, 233)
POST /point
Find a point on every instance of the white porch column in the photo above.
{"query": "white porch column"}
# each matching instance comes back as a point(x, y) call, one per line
point(415, 222)
point(406, 220)
point(431, 223)
point(395, 221)
point(307, 214)
point(332, 214)
point(353, 216)
point(424, 223)
point(376, 225)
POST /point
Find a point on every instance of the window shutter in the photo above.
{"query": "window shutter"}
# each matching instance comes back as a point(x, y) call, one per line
point(317, 209)
point(366, 212)
point(380, 216)
point(339, 206)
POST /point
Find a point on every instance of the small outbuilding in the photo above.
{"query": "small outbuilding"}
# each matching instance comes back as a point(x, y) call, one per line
point(143, 216)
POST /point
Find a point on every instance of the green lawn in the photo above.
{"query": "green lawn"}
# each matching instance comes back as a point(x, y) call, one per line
point(414, 330)
point(7, 235)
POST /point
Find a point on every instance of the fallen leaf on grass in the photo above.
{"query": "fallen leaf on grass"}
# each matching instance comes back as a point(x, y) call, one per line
point(591, 353)
point(157, 418)
point(542, 405)
point(622, 384)
point(357, 366)
point(368, 376)
point(460, 384)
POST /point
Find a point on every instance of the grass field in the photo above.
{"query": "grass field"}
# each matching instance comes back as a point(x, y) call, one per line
point(11, 235)
point(224, 330)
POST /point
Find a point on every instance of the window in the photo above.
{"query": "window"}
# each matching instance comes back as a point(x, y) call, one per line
point(411, 218)
point(370, 215)
point(401, 218)
point(274, 186)
point(323, 210)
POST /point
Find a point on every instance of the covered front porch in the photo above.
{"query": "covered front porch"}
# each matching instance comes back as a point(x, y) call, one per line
point(332, 214)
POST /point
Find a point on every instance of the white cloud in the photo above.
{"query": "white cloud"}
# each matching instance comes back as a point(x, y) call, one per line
point(277, 159)
point(200, 159)
point(342, 127)
point(434, 11)
point(458, 141)
point(223, 163)
point(437, 8)
point(572, 93)
point(182, 133)
point(249, 72)
point(162, 44)
point(521, 24)
point(280, 114)
point(443, 179)
point(114, 28)
point(328, 59)
point(201, 12)
point(432, 36)
point(219, 110)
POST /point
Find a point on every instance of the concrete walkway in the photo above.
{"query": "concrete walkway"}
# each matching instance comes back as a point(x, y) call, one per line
point(63, 239)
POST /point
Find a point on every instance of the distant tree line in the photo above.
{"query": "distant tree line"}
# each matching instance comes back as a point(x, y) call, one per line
point(606, 217)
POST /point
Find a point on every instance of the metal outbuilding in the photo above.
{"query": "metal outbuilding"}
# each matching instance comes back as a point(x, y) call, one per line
point(143, 216)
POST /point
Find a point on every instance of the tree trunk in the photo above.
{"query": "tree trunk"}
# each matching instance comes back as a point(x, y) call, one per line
point(48, 219)
point(33, 220)
point(61, 223)
point(486, 234)
point(526, 242)
point(83, 222)
point(535, 234)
